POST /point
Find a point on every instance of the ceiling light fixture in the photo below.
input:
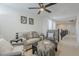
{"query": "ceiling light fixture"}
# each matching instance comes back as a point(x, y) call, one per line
point(41, 9)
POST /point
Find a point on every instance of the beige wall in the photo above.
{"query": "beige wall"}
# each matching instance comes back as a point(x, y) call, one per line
point(10, 23)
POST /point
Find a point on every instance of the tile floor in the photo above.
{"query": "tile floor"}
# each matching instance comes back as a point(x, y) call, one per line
point(66, 47)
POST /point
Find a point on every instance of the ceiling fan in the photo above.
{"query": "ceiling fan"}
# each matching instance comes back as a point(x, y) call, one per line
point(43, 7)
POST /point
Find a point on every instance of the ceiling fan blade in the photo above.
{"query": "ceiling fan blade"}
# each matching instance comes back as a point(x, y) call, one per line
point(50, 4)
point(39, 12)
point(34, 8)
point(47, 10)
point(40, 4)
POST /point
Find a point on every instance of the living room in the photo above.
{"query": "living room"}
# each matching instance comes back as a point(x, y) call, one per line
point(17, 19)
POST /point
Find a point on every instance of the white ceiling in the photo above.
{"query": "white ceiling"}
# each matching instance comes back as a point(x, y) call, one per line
point(20, 7)
point(59, 11)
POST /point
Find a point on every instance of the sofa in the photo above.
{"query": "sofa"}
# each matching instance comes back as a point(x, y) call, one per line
point(6, 49)
point(32, 38)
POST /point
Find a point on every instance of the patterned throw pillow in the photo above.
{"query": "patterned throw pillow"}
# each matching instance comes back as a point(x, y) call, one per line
point(35, 34)
point(30, 35)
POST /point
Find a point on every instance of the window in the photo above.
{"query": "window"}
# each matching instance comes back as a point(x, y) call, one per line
point(51, 25)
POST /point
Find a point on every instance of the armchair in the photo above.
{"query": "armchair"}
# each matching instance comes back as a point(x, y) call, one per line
point(53, 36)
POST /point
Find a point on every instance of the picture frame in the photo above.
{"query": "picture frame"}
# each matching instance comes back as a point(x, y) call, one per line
point(31, 21)
point(23, 20)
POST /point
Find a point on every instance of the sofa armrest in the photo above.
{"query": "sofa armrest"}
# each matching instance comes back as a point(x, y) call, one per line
point(31, 41)
point(28, 43)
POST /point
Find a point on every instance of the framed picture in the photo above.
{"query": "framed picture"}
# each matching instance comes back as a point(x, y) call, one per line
point(23, 20)
point(31, 21)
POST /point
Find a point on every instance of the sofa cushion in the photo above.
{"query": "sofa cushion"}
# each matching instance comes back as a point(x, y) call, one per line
point(35, 34)
point(28, 35)
point(5, 46)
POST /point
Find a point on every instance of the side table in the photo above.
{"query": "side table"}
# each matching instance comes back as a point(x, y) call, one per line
point(16, 41)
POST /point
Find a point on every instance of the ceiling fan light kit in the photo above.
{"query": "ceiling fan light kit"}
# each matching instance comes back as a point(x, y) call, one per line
point(43, 7)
